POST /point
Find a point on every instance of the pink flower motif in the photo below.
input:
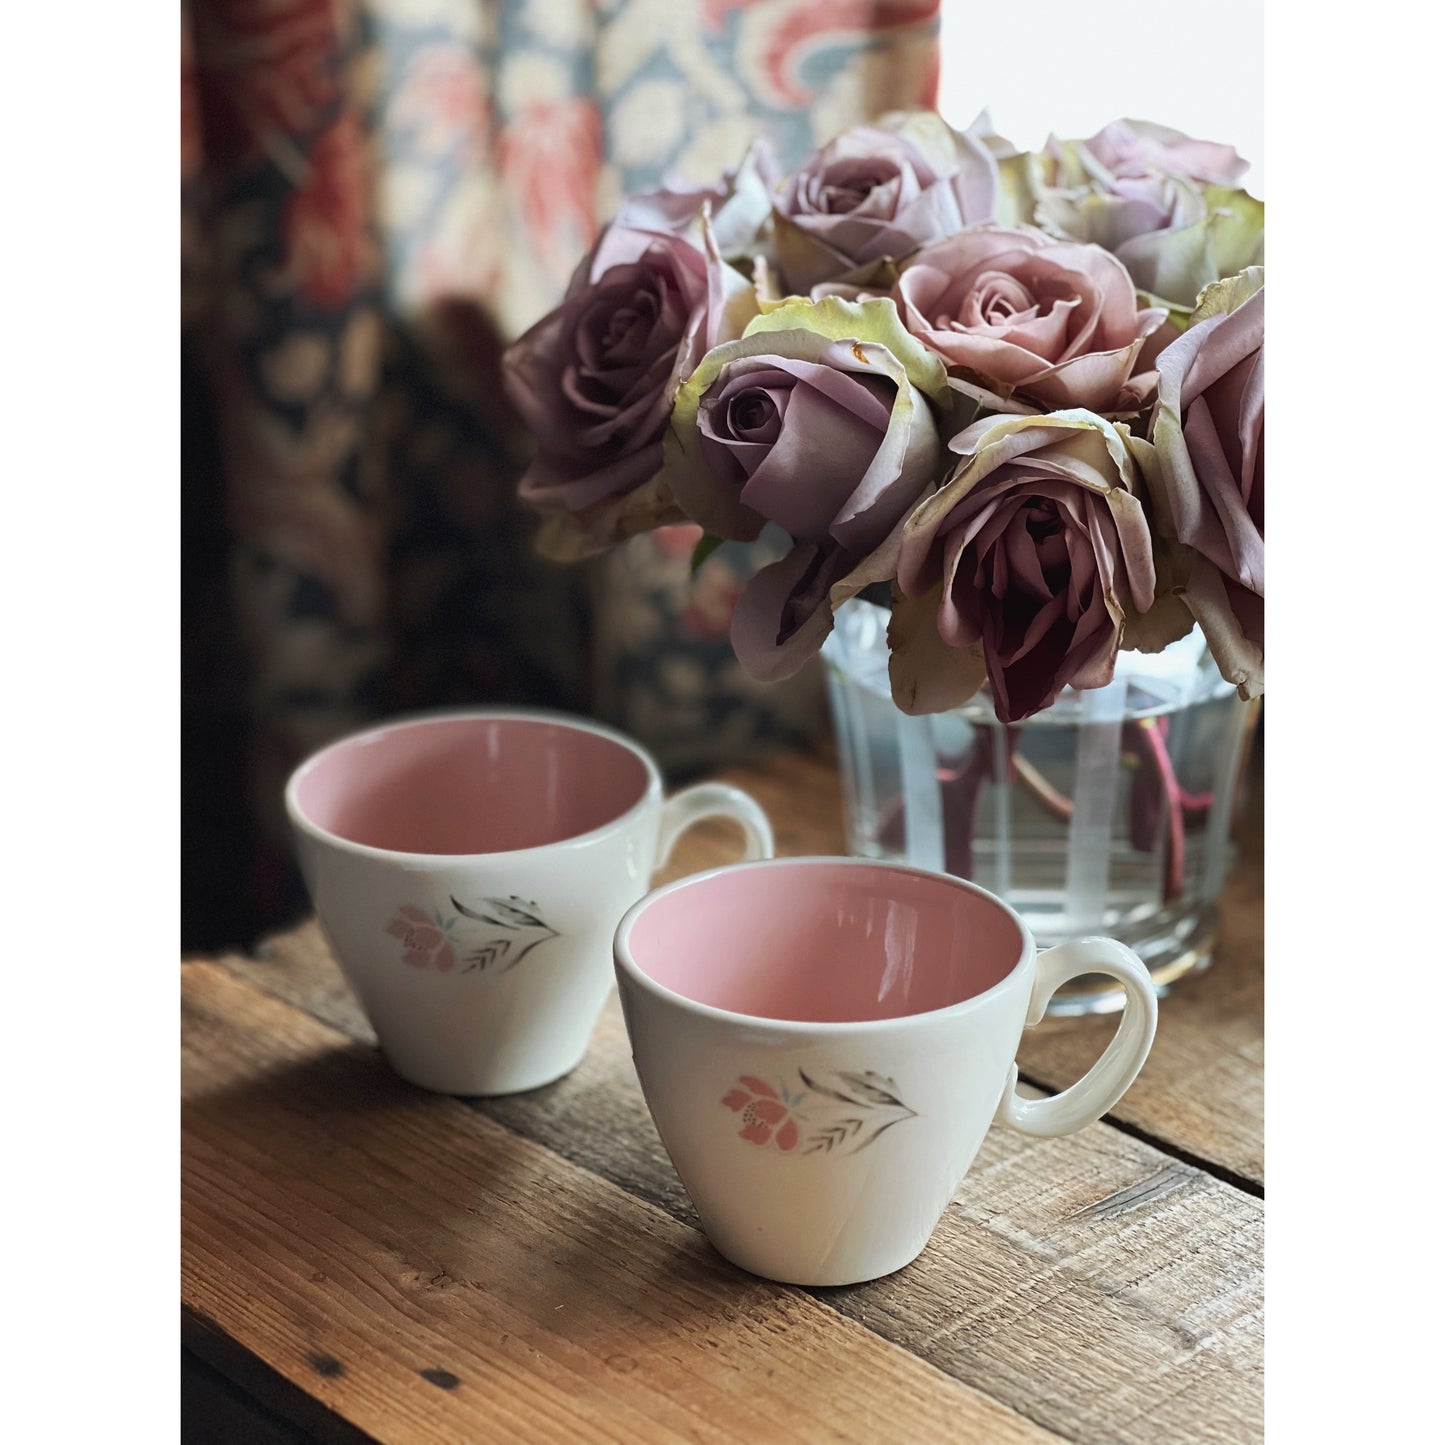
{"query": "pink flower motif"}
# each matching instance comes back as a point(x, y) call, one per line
point(423, 942)
point(550, 155)
point(765, 1116)
point(709, 610)
point(679, 541)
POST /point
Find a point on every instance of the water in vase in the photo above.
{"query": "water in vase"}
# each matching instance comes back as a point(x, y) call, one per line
point(1109, 812)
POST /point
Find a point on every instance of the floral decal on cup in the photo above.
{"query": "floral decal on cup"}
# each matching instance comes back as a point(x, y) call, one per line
point(766, 1113)
point(525, 930)
point(428, 940)
point(843, 1115)
point(424, 939)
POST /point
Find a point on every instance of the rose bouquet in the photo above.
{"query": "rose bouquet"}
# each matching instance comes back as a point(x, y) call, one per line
point(1020, 395)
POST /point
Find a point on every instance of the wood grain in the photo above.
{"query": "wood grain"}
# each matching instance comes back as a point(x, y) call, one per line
point(1092, 1283)
point(427, 1274)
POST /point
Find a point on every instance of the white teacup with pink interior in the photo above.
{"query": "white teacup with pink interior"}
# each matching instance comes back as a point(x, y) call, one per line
point(469, 870)
point(823, 1043)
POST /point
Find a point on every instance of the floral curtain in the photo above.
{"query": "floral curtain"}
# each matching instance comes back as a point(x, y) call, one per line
point(376, 196)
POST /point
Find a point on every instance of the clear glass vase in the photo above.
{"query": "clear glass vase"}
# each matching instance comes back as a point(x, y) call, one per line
point(1108, 812)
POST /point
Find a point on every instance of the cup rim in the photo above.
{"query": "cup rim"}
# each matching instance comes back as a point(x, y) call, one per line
point(626, 964)
point(651, 794)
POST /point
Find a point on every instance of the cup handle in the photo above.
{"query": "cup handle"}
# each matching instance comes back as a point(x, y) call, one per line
point(1116, 1068)
point(714, 800)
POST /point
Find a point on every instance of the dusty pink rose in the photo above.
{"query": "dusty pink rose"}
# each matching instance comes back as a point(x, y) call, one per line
point(1034, 324)
point(739, 205)
point(1118, 210)
point(880, 190)
point(595, 379)
point(1030, 557)
point(1174, 238)
point(830, 440)
point(1175, 232)
point(1208, 428)
point(1125, 146)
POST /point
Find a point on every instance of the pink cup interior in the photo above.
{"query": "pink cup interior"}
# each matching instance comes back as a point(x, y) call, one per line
point(825, 942)
point(469, 785)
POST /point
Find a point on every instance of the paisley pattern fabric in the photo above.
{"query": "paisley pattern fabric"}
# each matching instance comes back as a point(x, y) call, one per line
point(376, 196)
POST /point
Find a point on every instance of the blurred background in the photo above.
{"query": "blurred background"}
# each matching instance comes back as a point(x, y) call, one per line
point(377, 195)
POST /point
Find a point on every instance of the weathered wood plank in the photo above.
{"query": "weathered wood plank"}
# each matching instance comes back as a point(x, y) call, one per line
point(1092, 1283)
point(428, 1275)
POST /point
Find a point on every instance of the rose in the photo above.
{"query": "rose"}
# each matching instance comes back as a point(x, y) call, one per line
point(1208, 428)
point(880, 191)
point(1176, 233)
point(1025, 565)
point(595, 379)
point(817, 420)
point(1124, 146)
point(1035, 324)
point(739, 206)
point(1174, 238)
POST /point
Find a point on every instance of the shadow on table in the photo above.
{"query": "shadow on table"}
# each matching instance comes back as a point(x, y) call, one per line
point(348, 1145)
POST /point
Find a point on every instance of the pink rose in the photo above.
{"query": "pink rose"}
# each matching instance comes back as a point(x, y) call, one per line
point(825, 436)
point(1176, 234)
point(1208, 428)
point(739, 205)
point(595, 379)
point(1125, 146)
point(1033, 323)
point(1026, 563)
point(1174, 238)
point(1121, 209)
point(880, 190)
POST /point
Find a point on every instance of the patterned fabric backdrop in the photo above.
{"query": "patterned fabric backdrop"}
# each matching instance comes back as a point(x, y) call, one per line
point(376, 196)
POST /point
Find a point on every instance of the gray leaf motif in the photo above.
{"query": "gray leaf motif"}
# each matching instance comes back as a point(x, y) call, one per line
point(524, 931)
point(867, 1085)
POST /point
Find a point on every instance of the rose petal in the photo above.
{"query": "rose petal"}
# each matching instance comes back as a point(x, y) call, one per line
point(926, 674)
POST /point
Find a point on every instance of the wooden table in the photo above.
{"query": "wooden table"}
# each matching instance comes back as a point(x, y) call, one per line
point(371, 1261)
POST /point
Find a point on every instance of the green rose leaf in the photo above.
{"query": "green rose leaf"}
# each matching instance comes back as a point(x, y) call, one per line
point(706, 546)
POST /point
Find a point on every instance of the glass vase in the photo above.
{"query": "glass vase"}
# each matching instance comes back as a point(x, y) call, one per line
point(1109, 812)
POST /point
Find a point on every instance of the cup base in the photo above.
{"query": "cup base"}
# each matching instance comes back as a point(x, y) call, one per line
point(826, 1278)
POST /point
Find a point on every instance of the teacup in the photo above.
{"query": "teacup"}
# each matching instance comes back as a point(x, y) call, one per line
point(469, 870)
point(823, 1043)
